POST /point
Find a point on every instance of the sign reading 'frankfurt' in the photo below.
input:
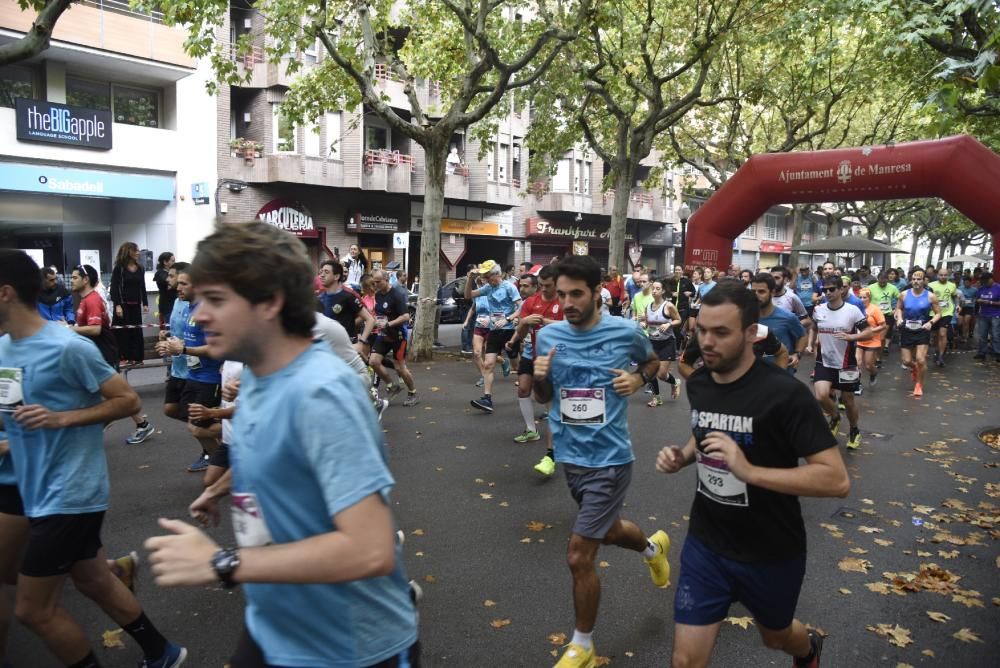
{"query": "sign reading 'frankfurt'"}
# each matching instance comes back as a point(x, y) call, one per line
point(53, 123)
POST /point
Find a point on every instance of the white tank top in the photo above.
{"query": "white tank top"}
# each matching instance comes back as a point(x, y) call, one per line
point(656, 317)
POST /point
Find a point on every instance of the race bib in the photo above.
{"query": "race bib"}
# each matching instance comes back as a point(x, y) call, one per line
point(248, 521)
point(805, 285)
point(884, 306)
point(498, 320)
point(11, 388)
point(914, 325)
point(582, 406)
point(380, 321)
point(483, 321)
point(718, 483)
point(848, 375)
point(193, 362)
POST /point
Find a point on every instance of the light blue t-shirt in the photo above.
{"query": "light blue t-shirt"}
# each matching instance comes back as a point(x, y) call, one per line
point(207, 370)
point(804, 288)
point(502, 302)
point(58, 471)
point(786, 327)
point(582, 389)
point(313, 422)
point(178, 320)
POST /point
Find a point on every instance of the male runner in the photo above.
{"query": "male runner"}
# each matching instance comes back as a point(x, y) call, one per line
point(916, 313)
point(93, 322)
point(826, 271)
point(316, 549)
point(643, 298)
point(946, 293)
point(804, 288)
point(344, 305)
point(885, 295)
point(57, 395)
point(747, 540)
point(537, 311)
point(988, 320)
point(838, 326)
point(391, 315)
point(527, 287)
point(504, 302)
point(786, 299)
point(580, 365)
point(783, 323)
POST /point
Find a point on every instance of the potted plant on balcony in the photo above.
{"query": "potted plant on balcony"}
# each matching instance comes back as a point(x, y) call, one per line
point(245, 148)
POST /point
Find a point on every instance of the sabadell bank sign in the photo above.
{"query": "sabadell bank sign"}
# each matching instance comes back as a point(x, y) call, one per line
point(288, 216)
point(53, 123)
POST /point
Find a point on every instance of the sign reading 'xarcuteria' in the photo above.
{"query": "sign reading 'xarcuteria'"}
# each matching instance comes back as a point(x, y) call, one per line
point(38, 120)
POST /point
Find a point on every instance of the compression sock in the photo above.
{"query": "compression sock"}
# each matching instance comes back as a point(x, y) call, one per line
point(528, 413)
point(582, 639)
point(145, 634)
point(671, 380)
point(655, 384)
point(550, 454)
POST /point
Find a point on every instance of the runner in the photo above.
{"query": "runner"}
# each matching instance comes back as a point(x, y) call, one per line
point(868, 349)
point(747, 539)
point(643, 298)
point(316, 543)
point(785, 326)
point(988, 320)
point(660, 322)
point(179, 314)
point(480, 314)
point(344, 305)
point(967, 311)
point(804, 288)
point(504, 301)
point(527, 287)
point(391, 315)
point(92, 321)
point(885, 295)
point(838, 326)
point(946, 293)
point(915, 315)
point(785, 299)
point(582, 362)
point(54, 424)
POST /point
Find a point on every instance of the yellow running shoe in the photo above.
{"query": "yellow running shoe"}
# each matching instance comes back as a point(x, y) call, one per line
point(126, 569)
point(659, 567)
point(576, 656)
point(546, 467)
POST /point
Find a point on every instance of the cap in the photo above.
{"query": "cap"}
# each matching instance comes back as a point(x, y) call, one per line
point(392, 266)
point(489, 267)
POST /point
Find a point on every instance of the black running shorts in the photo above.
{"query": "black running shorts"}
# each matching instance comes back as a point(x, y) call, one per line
point(57, 542)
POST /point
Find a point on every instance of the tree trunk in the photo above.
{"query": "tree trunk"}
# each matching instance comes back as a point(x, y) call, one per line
point(619, 216)
point(913, 249)
point(942, 251)
point(430, 251)
point(798, 227)
point(930, 253)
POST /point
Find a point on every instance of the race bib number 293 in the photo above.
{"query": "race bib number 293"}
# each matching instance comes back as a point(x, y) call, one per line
point(718, 483)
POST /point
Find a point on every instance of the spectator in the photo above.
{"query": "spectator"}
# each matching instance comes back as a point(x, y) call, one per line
point(167, 295)
point(54, 301)
point(129, 298)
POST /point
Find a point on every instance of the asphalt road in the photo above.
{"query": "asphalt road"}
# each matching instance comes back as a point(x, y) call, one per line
point(466, 495)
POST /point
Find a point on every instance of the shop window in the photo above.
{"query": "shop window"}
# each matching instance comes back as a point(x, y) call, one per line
point(90, 94)
point(284, 132)
point(560, 180)
point(312, 142)
point(333, 124)
point(134, 106)
point(16, 81)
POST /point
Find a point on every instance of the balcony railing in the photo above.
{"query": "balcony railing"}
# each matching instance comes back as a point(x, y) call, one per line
point(254, 57)
point(123, 7)
point(381, 156)
point(385, 73)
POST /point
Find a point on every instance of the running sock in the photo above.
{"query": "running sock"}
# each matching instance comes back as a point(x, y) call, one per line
point(528, 413)
point(655, 384)
point(671, 380)
point(143, 424)
point(583, 639)
point(650, 550)
point(145, 634)
point(551, 455)
point(89, 661)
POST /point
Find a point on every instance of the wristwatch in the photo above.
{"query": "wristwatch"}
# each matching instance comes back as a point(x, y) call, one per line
point(224, 563)
point(645, 379)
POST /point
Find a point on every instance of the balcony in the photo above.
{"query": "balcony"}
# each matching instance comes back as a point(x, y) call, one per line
point(562, 201)
point(456, 186)
point(263, 74)
point(642, 205)
point(386, 170)
point(109, 25)
point(273, 168)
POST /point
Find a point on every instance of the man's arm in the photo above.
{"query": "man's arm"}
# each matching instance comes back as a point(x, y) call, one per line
point(120, 400)
point(87, 330)
point(823, 474)
point(369, 323)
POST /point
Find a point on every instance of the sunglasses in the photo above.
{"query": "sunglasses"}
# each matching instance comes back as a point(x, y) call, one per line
point(831, 289)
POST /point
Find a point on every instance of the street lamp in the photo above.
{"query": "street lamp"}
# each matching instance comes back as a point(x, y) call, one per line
point(684, 213)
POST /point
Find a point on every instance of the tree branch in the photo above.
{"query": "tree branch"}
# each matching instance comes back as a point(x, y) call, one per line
point(37, 38)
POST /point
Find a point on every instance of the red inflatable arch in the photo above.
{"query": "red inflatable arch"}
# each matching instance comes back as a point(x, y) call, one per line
point(959, 170)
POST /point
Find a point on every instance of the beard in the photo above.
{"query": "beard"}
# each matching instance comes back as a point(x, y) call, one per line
point(581, 316)
point(723, 364)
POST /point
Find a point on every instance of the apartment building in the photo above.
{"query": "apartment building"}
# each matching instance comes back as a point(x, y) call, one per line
point(101, 139)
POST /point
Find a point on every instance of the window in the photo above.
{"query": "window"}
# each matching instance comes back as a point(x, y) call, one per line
point(312, 142)
point(90, 94)
point(560, 180)
point(774, 229)
point(586, 177)
point(576, 175)
point(16, 81)
point(751, 232)
point(284, 132)
point(333, 135)
point(136, 107)
point(490, 157)
point(502, 163)
point(376, 138)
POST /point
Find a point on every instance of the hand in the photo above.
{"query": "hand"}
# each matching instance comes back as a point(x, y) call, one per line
point(809, 350)
point(500, 324)
point(509, 346)
point(184, 557)
point(533, 320)
point(162, 336)
point(670, 459)
point(927, 325)
point(34, 416)
point(543, 365)
point(721, 446)
point(626, 382)
point(665, 327)
point(4, 447)
point(119, 312)
point(198, 412)
point(145, 309)
point(843, 336)
point(174, 346)
point(205, 509)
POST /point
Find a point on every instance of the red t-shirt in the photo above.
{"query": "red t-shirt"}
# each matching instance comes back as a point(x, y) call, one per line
point(91, 311)
point(616, 287)
point(536, 305)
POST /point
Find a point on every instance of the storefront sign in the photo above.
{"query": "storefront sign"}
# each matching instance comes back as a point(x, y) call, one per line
point(401, 240)
point(372, 222)
point(774, 247)
point(480, 227)
point(540, 227)
point(288, 216)
point(59, 181)
point(581, 248)
point(656, 235)
point(53, 123)
point(199, 193)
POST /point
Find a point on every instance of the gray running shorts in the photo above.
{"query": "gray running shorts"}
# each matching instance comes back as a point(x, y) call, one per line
point(600, 493)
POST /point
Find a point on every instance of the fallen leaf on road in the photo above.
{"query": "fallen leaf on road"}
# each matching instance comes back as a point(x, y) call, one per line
point(879, 587)
point(535, 525)
point(844, 590)
point(904, 665)
point(859, 550)
point(113, 639)
point(996, 601)
point(967, 601)
point(602, 661)
point(864, 529)
point(418, 554)
point(488, 603)
point(883, 542)
point(430, 578)
point(500, 623)
point(629, 654)
point(742, 622)
point(938, 616)
point(485, 496)
point(504, 504)
point(966, 635)
point(435, 389)
point(921, 553)
point(948, 555)
point(557, 638)
point(867, 502)
point(854, 564)
point(604, 564)
point(928, 652)
point(417, 532)
point(525, 540)
point(897, 635)
point(460, 447)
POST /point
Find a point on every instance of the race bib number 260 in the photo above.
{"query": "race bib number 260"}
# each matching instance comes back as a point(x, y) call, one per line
point(582, 406)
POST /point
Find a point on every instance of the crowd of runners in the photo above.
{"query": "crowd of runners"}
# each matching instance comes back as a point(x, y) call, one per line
point(260, 343)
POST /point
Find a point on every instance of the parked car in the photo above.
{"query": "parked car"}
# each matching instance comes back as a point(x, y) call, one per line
point(451, 299)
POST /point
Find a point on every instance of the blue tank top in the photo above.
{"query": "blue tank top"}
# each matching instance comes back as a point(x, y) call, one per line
point(917, 308)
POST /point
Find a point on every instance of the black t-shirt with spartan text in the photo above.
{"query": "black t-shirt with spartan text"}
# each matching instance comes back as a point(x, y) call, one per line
point(775, 420)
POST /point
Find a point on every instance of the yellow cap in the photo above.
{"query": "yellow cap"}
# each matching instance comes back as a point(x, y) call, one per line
point(487, 266)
